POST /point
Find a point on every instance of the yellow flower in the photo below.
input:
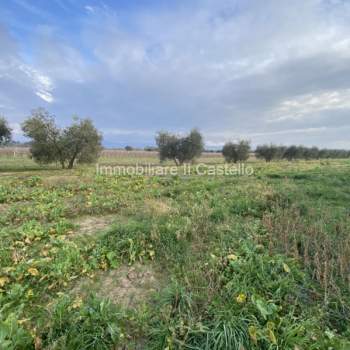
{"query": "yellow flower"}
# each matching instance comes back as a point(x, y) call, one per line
point(232, 257)
point(29, 293)
point(33, 271)
point(241, 298)
point(3, 281)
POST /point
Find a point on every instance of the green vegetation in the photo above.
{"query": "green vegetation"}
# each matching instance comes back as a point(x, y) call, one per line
point(5, 131)
point(258, 262)
point(180, 149)
point(81, 142)
point(273, 152)
point(236, 152)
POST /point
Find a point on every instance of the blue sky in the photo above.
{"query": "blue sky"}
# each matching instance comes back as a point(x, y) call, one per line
point(269, 71)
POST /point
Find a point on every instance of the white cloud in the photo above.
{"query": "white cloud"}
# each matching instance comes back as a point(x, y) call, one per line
point(89, 9)
point(16, 128)
point(270, 71)
point(46, 96)
point(127, 132)
point(311, 104)
point(42, 84)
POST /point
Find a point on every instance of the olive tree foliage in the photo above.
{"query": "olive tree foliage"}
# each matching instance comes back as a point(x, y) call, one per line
point(269, 152)
point(293, 152)
point(80, 142)
point(179, 149)
point(5, 132)
point(236, 152)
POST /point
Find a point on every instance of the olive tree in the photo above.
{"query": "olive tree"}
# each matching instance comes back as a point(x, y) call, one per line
point(5, 132)
point(269, 152)
point(80, 142)
point(291, 153)
point(179, 149)
point(234, 152)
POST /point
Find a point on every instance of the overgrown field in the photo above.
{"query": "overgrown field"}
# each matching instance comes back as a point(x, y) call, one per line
point(196, 262)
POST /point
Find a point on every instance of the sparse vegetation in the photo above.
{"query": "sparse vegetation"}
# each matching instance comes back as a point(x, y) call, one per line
point(256, 262)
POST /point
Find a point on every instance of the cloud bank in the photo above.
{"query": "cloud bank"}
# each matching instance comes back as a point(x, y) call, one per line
point(270, 71)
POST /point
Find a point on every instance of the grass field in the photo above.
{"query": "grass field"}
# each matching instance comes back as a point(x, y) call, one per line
point(17, 159)
point(196, 262)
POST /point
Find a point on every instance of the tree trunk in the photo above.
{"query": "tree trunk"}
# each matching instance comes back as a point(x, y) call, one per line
point(71, 163)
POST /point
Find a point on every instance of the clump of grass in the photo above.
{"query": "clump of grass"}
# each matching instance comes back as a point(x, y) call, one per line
point(77, 324)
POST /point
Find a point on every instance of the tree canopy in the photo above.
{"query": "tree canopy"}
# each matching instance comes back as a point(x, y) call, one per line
point(179, 149)
point(293, 152)
point(269, 152)
point(80, 142)
point(5, 132)
point(235, 152)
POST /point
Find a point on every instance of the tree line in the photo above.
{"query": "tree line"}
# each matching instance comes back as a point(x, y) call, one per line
point(81, 142)
point(293, 152)
point(187, 148)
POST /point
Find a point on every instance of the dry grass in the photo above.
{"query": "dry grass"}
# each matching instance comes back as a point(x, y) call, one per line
point(4, 207)
point(91, 225)
point(157, 207)
point(326, 255)
point(60, 180)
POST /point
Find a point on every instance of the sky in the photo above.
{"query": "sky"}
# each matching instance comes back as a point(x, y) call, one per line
point(268, 71)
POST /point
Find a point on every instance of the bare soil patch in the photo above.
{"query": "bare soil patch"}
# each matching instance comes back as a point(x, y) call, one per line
point(127, 286)
point(4, 207)
point(89, 225)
